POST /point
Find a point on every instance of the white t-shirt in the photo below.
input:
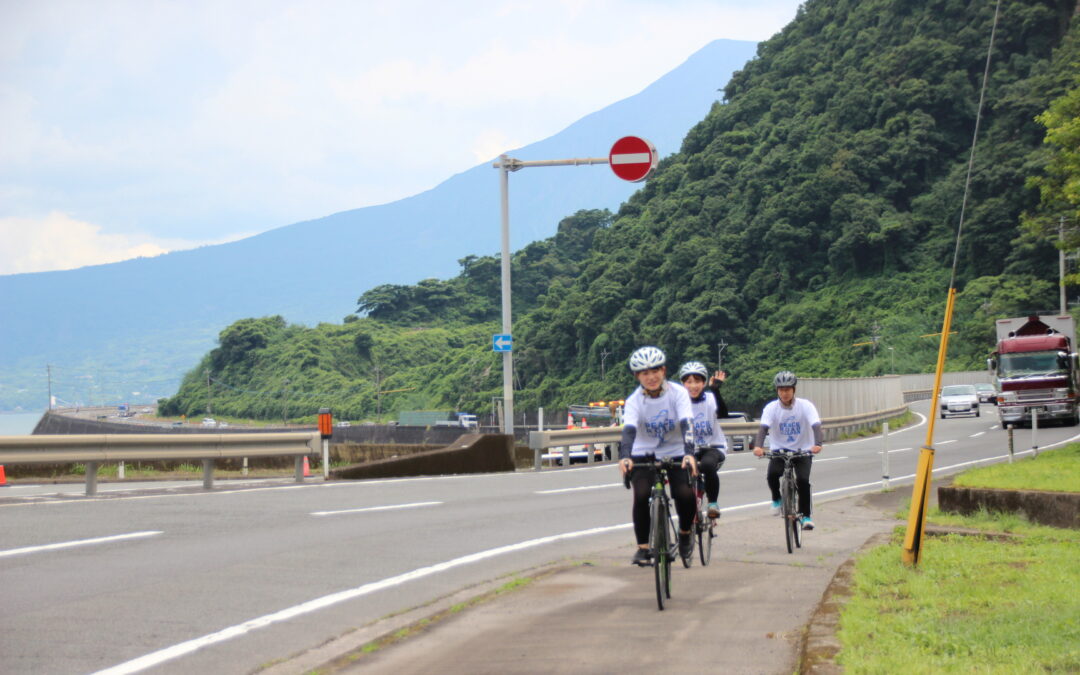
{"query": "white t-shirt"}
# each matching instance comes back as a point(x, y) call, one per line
point(706, 427)
point(790, 428)
point(657, 420)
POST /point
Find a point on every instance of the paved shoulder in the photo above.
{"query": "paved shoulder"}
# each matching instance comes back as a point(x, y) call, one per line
point(744, 613)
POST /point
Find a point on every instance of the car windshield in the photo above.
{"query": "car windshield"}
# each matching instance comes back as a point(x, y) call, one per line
point(959, 390)
point(984, 387)
point(1033, 363)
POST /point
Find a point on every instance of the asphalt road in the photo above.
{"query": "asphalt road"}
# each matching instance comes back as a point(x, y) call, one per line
point(169, 578)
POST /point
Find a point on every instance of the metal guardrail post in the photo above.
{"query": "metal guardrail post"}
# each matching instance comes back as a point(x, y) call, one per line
point(91, 478)
point(1009, 428)
point(884, 455)
point(566, 456)
point(208, 474)
point(1035, 433)
point(299, 463)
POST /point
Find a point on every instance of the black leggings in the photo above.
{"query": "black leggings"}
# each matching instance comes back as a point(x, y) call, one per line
point(709, 462)
point(642, 478)
point(802, 480)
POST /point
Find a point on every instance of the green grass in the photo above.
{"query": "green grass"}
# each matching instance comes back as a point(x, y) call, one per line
point(974, 604)
point(1053, 470)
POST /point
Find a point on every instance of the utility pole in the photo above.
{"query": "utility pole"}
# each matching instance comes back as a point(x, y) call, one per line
point(209, 395)
point(720, 353)
point(48, 369)
point(285, 403)
point(378, 392)
point(603, 357)
point(1061, 264)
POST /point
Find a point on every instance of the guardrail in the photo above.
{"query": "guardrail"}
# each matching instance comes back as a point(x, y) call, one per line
point(93, 449)
point(539, 441)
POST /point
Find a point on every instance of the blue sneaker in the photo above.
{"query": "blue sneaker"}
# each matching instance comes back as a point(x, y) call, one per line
point(714, 510)
point(776, 508)
point(807, 524)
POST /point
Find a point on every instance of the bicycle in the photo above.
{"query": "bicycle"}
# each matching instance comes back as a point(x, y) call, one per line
point(789, 497)
point(663, 537)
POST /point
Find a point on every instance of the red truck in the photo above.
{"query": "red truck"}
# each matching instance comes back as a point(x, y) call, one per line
point(1035, 369)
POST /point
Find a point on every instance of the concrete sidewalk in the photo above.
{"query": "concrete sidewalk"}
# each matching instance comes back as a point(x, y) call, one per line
point(747, 612)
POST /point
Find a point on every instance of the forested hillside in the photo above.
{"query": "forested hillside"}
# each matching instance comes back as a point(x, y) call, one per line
point(816, 208)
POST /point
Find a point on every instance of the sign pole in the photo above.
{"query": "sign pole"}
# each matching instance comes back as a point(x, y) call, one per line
point(631, 158)
point(508, 356)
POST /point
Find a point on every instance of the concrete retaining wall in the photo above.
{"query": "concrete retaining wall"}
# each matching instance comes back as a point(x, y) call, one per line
point(471, 453)
point(1057, 509)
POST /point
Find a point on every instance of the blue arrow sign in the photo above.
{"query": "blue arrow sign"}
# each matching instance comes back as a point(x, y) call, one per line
point(502, 343)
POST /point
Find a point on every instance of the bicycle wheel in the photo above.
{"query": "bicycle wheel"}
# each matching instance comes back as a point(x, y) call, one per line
point(796, 518)
point(659, 548)
point(787, 510)
point(688, 560)
point(705, 527)
point(672, 549)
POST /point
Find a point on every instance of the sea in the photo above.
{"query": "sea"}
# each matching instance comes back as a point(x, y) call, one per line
point(18, 423)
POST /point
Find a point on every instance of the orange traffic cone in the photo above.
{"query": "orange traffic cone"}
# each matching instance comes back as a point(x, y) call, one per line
point(307, 467)
point(3, 478)
point(569, 420)
point(584, 422)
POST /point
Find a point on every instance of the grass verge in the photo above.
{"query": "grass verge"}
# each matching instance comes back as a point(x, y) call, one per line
point(975, 603)
point(1053, 470)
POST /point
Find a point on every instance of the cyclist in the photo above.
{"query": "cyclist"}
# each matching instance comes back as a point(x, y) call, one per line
point(792, 424)
point(657, 421)
point(709, 439)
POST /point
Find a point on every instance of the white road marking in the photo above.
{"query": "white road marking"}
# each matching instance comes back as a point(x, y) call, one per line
point(578, 489)
point(819, 459)
point(375, 508)
point(897, 450)
point(175, 651)
point(726, 471)
point(977, 435)
point(79, 542)
point(945, 442)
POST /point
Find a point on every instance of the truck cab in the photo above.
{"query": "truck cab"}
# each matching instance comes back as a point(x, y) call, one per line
point(1035, 370)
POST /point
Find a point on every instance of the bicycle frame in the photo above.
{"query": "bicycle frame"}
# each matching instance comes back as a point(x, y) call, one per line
point(789, 499)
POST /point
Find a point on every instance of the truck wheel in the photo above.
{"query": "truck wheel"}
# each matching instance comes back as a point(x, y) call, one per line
point(943, 416)
point(977, 412)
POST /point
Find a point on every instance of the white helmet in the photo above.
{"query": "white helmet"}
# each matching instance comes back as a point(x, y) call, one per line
point(693, 368)
point(645, 358)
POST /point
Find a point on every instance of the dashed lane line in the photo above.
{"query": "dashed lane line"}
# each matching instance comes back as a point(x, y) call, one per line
point(80, 542)
point(375, 508)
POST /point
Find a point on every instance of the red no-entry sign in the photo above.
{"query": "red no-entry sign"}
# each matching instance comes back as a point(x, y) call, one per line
point(632, 158)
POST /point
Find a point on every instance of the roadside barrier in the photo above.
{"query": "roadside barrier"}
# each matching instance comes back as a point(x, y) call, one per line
point(576, 443)
point(93, 449)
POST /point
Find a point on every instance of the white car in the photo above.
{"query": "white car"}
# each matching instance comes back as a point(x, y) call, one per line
point(959, 399)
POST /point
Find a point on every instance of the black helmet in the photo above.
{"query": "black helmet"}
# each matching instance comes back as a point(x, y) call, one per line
point(785, 378)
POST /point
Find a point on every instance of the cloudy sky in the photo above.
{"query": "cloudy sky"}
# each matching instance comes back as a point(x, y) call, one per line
point(134, 127)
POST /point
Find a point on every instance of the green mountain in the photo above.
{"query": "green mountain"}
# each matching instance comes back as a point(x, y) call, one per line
point(816, 208)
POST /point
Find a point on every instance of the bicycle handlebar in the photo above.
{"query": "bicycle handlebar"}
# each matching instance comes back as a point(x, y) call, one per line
point(780, 454)
point(664, 463)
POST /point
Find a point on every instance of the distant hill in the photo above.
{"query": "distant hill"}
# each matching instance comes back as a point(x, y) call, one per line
point(135, 326)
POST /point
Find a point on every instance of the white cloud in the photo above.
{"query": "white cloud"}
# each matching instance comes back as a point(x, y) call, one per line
point(59, 242)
